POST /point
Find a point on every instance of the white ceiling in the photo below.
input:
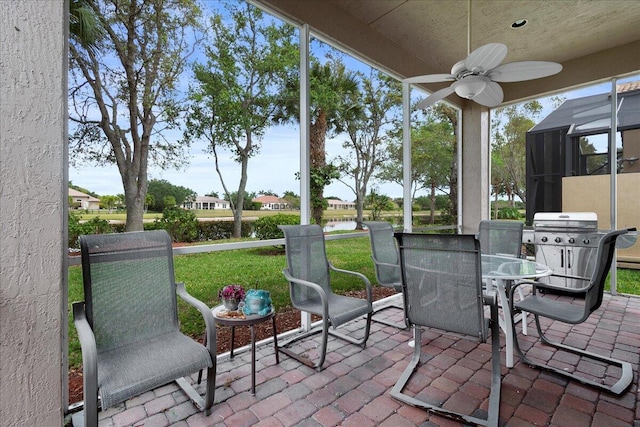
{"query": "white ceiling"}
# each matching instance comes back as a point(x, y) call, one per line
point(593, 39)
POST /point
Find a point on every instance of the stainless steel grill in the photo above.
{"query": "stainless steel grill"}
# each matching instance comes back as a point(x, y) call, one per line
point(567, 242)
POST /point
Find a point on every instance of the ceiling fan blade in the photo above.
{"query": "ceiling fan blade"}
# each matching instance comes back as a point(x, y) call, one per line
point(434, 97)
point(431, 78)
point(485, 57)
point(491, 96)
point(524, 70)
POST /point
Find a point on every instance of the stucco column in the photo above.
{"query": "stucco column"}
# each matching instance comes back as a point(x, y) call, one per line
point(33, 199)
point(475, 166)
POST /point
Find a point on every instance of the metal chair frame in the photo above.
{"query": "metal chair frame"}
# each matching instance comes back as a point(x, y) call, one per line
point(484, 298)
point(315, 284)
point(381, 233)
point(571, 313)
point(128, 248)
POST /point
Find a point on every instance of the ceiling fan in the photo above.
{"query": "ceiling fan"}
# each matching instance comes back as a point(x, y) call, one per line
point(476, 76)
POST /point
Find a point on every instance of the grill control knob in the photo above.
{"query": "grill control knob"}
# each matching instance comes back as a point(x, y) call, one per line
point(586, 241)
point(544, 239)
point(572, 240)
point(558, 240)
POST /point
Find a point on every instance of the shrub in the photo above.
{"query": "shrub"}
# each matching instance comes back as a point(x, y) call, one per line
point(267, 227)
point(217, 230)
point(508, 213)
point(77, 228)
point(181, 224)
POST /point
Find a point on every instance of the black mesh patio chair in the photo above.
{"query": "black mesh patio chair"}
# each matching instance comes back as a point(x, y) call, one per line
point(501, 237)
point(128, 323)
point(386, 261)
point(308, 272)
point(574, 311)
point(442, 289)
point(504, 238)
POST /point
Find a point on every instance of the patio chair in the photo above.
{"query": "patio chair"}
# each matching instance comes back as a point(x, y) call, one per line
point(308, 272)
point(442, 289)
point(128, 324)
point(575, 311)
point(499, 237)
point(386, 261)
point(503, 237)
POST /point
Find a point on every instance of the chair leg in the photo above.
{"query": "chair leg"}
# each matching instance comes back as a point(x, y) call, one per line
point(211, 389)
point(323, 346)
point(388, 322)
point(494, 396)
point(283, 347)
point(626, 375)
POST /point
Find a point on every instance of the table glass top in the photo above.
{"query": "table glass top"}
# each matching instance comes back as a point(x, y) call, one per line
point(505, 267)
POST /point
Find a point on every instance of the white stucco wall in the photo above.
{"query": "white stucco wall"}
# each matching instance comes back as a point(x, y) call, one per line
point(32, 210)
point(475, 166)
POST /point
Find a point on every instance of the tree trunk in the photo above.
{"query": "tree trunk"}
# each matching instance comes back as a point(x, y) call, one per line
point(432, 219)
point(135, 197)
point(317, 159)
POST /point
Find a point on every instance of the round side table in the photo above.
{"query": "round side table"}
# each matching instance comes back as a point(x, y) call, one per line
point(250, 321)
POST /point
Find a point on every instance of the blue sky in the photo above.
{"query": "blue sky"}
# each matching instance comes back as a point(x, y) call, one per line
point(273, 169)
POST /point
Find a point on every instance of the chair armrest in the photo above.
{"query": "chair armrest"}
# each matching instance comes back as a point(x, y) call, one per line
point(385, 264)
point(89, 351)
point(364, 278)
point(538, 285)
point(311, 286)
point(209, 320)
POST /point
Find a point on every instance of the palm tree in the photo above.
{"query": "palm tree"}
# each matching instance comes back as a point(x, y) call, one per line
point(331, 85)
point(84, 26)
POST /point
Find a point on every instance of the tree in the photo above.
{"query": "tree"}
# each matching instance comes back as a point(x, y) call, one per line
point(161, 189)
point(510, 125)
point(109, 202)
point(330, 93)
point(377, 203)
point(292, 198)
point(121, 95)
point(381, 98)
point(433, 156)
point(237, 90)
point(85, 29)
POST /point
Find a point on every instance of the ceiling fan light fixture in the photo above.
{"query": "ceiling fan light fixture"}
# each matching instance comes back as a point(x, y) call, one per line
point(470, 86)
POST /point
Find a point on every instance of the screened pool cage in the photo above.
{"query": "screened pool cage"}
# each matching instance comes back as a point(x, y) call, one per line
point(574, 140)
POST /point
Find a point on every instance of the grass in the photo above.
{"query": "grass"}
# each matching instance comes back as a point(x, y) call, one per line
point(205, 274)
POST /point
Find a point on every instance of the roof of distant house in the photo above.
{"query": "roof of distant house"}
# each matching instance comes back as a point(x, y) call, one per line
point(75, 193)
point(269, 199)
point(209, 199)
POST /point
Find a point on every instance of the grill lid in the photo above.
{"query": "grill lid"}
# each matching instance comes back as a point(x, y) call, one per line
point(565, 221)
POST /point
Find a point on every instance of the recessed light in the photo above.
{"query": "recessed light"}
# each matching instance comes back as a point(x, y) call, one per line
point(519, 23)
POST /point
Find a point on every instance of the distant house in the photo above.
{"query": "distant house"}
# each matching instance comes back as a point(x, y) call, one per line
point(272, 203)
point(84, 201)
point(206, 203)
point(339, 204)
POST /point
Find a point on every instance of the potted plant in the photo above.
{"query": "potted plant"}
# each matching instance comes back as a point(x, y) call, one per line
point(231, 296)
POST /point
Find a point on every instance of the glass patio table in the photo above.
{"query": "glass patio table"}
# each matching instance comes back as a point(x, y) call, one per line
point(498, 270)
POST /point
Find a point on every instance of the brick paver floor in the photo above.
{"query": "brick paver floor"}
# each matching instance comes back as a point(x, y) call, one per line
point(353, 389)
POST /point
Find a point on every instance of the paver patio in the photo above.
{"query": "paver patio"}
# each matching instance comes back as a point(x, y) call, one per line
point(353, 389)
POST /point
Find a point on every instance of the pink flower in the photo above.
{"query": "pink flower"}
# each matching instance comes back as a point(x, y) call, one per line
point(232, 292)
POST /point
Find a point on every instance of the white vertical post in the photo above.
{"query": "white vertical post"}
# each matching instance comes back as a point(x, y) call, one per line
point(613, 162)
point(459, 171)
point(406, 158)
point(305, 197)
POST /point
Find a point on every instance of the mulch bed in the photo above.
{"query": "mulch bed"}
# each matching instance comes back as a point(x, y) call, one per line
point(286, 320)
